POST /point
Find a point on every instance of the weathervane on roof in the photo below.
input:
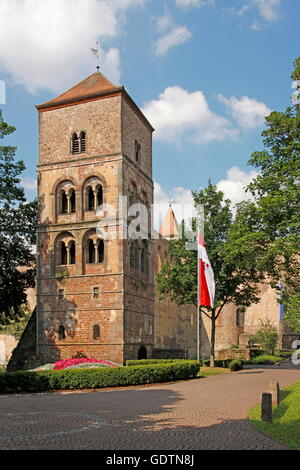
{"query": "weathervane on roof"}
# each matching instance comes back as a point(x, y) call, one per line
point(96, 52)
point(171, 202)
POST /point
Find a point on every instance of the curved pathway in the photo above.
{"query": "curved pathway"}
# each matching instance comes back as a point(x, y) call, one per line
point(208, 413)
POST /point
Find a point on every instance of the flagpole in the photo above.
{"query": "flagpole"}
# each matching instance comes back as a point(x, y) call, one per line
point(198, 299)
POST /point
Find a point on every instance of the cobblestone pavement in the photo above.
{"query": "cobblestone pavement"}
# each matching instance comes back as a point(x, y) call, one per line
point(207, 413)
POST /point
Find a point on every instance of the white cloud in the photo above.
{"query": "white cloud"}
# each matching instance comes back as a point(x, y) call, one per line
point(186, 4)
point(164, 22)
point(248, 112)
point(234, 185)
point(47, 44)
point(178, 115)
point(268, 10)
point(177, 36)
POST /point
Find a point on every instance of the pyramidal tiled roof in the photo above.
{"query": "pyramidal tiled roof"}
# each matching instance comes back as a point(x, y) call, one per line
point(94, 85)
point(169, 227)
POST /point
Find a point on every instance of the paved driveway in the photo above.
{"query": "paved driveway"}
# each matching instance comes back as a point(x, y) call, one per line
point(205, 413)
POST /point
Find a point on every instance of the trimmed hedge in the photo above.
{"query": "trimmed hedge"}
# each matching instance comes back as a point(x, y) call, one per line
point(70, 379)
point(145, 362)
point(218, 362)
point(235, 364)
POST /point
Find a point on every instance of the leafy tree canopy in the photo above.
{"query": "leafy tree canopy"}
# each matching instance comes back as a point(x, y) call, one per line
point(272, 218)
point(18, 220)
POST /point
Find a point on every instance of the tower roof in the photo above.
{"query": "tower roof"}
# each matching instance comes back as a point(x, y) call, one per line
point(169, 226)
point(92, 86)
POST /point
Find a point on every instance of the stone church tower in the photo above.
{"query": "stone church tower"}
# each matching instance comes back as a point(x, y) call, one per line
point(95, 288)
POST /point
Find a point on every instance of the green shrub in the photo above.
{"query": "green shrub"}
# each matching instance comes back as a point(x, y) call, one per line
point(266, 359)
point(144, 362)
point(266, 337)
point(235, 364)
point(284, 353)
point(68, 379)
point(218, 362)
point(254, 352)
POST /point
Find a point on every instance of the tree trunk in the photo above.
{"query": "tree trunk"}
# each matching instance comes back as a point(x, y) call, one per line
point(212, 338)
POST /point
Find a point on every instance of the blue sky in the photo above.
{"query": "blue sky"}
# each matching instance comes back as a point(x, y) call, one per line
point(205, 73)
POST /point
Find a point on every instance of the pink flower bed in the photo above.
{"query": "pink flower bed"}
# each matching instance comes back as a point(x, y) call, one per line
point(64, 364)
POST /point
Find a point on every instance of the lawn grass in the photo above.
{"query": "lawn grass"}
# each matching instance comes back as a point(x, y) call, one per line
point(208, 371)
point(265, 359)
point(286, 418)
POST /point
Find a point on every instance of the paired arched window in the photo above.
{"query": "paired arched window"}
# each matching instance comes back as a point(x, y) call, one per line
point(92, 192)
point(94, 249)
point(66, 249)
point(66, 198)
point(94, 197)
point(78, 144)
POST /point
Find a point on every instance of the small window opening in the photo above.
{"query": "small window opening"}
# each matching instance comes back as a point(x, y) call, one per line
point(60, 295)
point(62, 332)
point(96, 332)
point(95, 292)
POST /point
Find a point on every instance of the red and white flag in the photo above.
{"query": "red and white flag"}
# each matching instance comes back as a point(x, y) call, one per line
point(206, 276)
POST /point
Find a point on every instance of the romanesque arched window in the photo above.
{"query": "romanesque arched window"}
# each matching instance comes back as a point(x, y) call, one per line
point(78, 142)
point(65, 249)
point(96, 332)
point(75, 143)
point(94, 248)
point(93, 194)
point(66, 198)
point(62, 332)
point(82, 139)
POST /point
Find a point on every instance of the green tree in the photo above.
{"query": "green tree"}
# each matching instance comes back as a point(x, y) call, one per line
point(18, 221)
point(271, 219)
point(234, 266)
point(292, 315)
point(266, 337)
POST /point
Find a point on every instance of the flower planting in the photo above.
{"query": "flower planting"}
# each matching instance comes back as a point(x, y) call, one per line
point(77, 363)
